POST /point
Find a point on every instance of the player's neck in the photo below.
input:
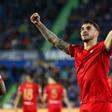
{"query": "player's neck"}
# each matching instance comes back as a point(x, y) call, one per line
point(30, 81)
point(88, 45)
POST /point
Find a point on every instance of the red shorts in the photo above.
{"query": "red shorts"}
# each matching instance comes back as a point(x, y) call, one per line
point(25, 110)
point(96, 107)
point(55, 107)
point(29, 109)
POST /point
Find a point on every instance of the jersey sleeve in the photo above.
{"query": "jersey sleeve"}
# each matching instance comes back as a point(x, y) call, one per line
point(73, 49)
point(104, 48)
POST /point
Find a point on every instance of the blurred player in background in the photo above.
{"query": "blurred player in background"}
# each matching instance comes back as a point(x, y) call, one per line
point(2, 85)
point(92, 61)
point(29, 92)
point(55, 93)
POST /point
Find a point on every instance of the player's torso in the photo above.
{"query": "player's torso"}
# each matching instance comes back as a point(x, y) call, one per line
point(92, 70)
point(92, 63)
point(29, 93)
point(54, 92)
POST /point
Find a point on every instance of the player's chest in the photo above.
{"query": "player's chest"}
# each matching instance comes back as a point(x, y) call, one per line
point(85, 55)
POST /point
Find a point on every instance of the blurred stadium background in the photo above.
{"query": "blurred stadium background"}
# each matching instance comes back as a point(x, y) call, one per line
point(23, 49)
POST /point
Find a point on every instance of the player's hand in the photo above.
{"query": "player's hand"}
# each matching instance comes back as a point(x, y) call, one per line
point(35, 18)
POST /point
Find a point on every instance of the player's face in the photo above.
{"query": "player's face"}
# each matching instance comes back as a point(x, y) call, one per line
point(27, 78)
point(88, 32)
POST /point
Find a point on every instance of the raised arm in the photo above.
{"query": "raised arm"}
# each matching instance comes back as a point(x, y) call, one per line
point(48, 35)
point(108, 41)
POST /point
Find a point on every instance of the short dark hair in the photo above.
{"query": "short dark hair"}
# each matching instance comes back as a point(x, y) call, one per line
point(93, 23)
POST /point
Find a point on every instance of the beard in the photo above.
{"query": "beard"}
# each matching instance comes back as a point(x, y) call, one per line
point(86, 40)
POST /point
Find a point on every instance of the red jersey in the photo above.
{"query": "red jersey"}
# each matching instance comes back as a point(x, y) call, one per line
point(30, 93)
point(92, 68)
point(54, 93)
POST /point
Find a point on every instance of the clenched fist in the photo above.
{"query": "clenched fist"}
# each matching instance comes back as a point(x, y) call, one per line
point(35, 18)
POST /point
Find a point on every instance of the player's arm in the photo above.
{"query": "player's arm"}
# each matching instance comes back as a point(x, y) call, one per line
point(66, 100)
point(44, 98)
point(108, 41)
point(48, 35)
point(2, 86)
point(40, 94)
point(16, 102)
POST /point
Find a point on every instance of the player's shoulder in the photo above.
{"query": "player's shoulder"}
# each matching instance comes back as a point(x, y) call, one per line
point(73, 48)
point(100, 44)
point(21, 84)
point(75, 45)
point(60, 86)
point(35, 84)
point(50, 86)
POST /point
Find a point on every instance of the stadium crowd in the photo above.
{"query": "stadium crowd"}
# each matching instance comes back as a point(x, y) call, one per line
point(17, 32)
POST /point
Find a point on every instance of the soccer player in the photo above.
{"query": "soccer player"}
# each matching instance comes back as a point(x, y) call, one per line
point(92, 60)
point(2, 85)
point(55, 93)
point(29, 93)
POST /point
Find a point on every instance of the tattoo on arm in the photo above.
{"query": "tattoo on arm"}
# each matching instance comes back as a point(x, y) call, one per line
point(52, 38)
point(62, 45)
